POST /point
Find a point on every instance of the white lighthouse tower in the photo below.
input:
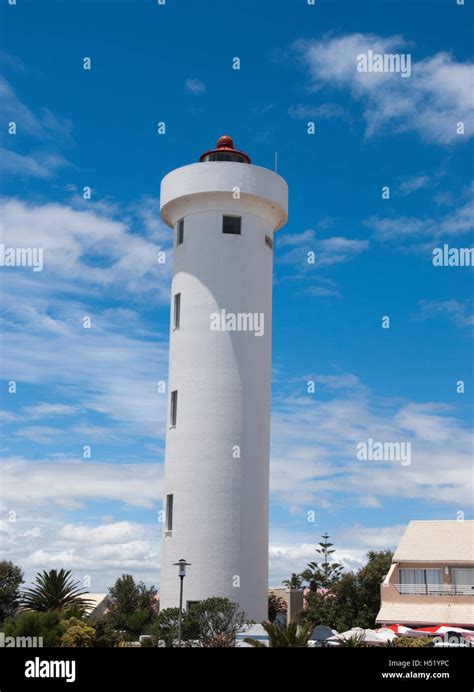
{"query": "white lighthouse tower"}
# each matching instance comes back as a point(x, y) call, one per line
point(223, 211)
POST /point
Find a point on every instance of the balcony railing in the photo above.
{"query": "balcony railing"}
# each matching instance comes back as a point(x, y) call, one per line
point(435, 589)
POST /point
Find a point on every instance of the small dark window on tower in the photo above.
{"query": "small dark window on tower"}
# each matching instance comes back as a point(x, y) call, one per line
point(169, 513)
point(177, 310)
point(180, 232)
point(174, 408)
point(269, 242)
point(231, 224)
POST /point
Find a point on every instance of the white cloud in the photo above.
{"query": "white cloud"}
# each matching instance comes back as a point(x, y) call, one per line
point(327, 251)
point(113, 367)
point(430, 102)
point(40, 434)
point(113, 533)
point(38, 165)
point(195, 86)
point(414, 184)
point(325, 110)
point(338, 249)
point(44, 125)
point(72, 238)
point(314, 445)
point(454, 310)
point(400, 228)
point(47, 410)
point(97, 554)
point(69, 483)
point(10, 417)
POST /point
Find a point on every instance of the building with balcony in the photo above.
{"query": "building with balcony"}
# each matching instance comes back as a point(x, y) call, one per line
point(431, 579)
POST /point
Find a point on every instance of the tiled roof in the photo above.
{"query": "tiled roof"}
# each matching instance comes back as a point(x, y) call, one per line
point(437, 541)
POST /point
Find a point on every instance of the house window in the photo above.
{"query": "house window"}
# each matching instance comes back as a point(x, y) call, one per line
point(269, 242)
point(463, 580)
point(174, 408)
point(180, 232)
point(420, 581)
point(231, 224)
point(176, 310)
point(169, 513)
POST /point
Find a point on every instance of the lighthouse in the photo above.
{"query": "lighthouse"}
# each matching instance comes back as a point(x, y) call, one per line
point(223, 211)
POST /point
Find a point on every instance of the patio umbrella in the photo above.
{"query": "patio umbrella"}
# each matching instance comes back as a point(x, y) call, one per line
point(374, 637)
point(322, 632)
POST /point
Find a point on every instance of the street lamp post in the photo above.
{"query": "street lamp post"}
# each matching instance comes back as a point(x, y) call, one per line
point(181, 564)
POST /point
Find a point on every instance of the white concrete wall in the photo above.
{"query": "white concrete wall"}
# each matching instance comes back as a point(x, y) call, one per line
point(220, 515)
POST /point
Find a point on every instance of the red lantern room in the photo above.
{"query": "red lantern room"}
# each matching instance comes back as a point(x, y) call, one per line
point(224, 151)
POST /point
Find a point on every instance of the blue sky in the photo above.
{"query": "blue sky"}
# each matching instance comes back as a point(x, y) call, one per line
point(98, 386)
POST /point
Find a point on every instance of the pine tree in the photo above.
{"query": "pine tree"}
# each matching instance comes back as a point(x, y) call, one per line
point(325, 574)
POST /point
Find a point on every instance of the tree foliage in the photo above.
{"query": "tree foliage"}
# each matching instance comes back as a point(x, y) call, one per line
point(276, 605)
point(218, 620)
point(11, 578)
point(354, 599)
point(294, 582)
point(48, 625)
point(212, 623)
point(78, 633)
point(106, 635)
point(133, 606)
point(325, 574)
point(165, 629)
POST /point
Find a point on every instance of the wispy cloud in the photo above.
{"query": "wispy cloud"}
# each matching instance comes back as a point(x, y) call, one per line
point(85, 249)
point(315, 439)
point(38, 165)
point(430, 102)
point(423, 229)
point(195, 86)
point(41, 128)
point(112, 368)
point(70, 483)
point(407, 187)
point(454, 310)
point(46, 410)
point(325, 110)
point(43, 125)
point(328, 251)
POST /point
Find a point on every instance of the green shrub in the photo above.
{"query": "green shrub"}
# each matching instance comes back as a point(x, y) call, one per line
point(413, 642)
point(48, 625)
point(78, 634)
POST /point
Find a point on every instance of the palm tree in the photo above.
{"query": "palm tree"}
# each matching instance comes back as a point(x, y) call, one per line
point(294, 582)
point(356, 640)
point(284, 637)
point(53, 591)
